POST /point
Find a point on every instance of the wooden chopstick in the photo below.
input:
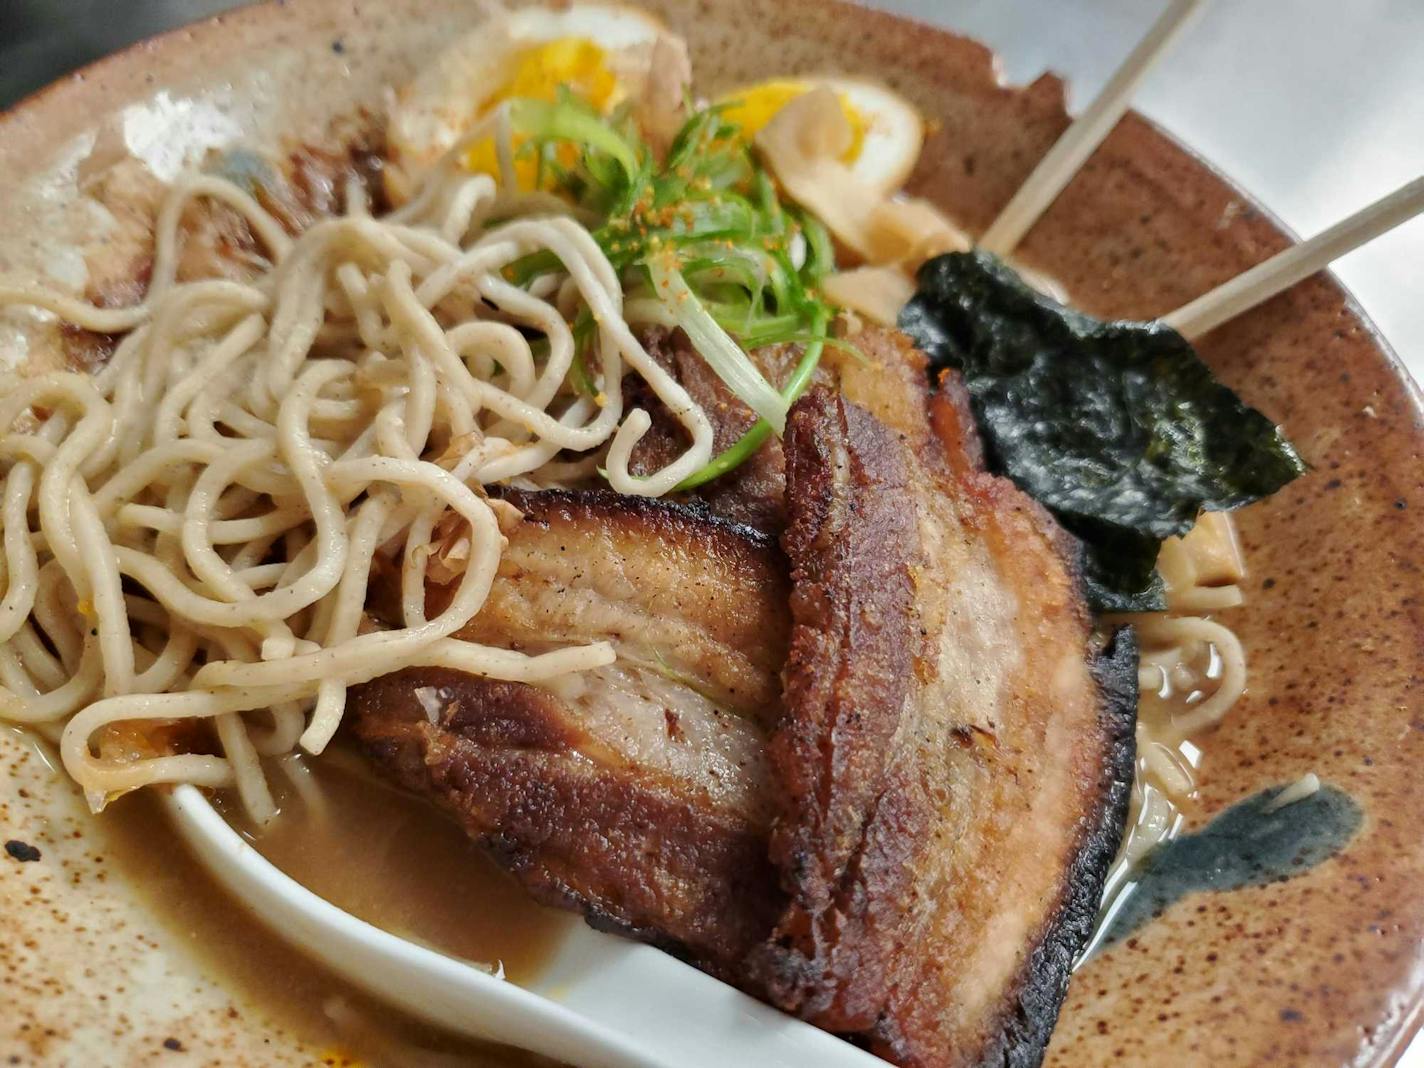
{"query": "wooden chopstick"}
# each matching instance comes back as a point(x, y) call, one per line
point(1072, 150)
point(1285, 269)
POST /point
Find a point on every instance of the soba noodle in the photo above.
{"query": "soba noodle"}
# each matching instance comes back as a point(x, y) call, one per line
point(190, 534)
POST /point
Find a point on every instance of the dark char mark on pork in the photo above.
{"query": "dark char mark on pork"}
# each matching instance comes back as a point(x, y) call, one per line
point(638, 795)
point(951, 757)
point(954, 760)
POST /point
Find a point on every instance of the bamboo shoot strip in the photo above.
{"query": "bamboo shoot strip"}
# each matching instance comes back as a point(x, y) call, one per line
point(1285, 269)
point(1071, 150)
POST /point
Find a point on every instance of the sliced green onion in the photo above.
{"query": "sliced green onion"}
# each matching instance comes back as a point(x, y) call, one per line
point(579, 376)
point(716, 346)
point(820, 255)
point(701, 241)
point(565, 121)
point(644, 310)
point(527, 268)
point(733, 456)
point(770, 203)
point(741, 450)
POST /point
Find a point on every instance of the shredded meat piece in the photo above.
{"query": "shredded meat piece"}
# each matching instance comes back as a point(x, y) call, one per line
point(884, 373)
point(215, 241)
point(317, 177)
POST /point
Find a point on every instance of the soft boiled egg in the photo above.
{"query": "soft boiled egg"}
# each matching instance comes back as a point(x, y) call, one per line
point(886, 131)
point(605, 53)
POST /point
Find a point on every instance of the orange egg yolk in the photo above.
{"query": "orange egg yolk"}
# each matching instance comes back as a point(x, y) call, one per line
point(540, 71)
point(754, 107)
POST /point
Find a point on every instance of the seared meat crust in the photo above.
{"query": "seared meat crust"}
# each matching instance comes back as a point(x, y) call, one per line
point(637, 853)
point(635, 793)
point(953, 771)
point(880, 787)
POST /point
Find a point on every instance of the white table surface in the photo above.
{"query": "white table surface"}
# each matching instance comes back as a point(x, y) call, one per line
point(1315, 107)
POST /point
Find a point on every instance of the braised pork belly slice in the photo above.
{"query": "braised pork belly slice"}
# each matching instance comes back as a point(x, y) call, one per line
point(752, 493)
point(637, 793)
point(888, 808)
point(955, 759)
point(881, 371)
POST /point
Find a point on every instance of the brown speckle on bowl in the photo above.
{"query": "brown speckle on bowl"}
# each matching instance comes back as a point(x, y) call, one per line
point(22, 851)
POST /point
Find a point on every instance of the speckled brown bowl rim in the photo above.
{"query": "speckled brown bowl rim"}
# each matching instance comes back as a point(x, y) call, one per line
point(1323, 968)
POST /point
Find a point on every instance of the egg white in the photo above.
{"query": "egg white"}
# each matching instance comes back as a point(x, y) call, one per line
point(428, 115)
point(893, 130)
point(612, 27)
point(894, 133)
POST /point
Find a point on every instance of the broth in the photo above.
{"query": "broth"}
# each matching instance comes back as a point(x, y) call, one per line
point(390, 859)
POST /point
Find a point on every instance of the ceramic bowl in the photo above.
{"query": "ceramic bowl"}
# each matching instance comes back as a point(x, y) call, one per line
point(1295, 939)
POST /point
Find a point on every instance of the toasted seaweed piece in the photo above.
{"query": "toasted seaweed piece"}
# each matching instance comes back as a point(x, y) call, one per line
point(1116, 426)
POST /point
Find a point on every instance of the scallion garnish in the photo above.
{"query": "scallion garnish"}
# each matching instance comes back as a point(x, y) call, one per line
point(702, 237)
